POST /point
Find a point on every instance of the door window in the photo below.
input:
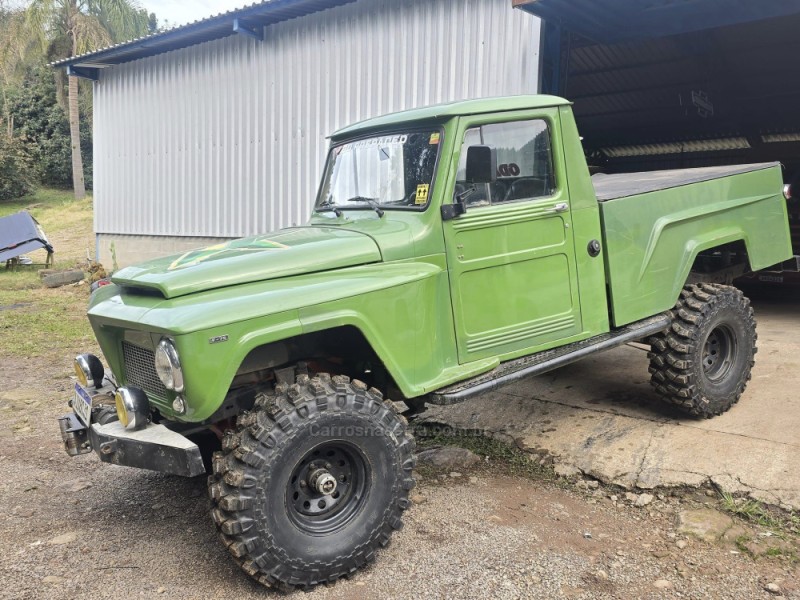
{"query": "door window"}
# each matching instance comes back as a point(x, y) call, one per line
point(524, 162)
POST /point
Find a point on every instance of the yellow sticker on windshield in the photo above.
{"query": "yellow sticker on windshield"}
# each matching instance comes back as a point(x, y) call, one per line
point(434, 138)
point(422, 194)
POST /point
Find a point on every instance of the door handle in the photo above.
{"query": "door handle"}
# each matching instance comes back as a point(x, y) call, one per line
point(561, 207)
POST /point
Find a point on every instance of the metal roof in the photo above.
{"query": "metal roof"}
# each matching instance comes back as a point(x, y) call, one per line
point(453, 109)
point(249, 20)
point(617, 20)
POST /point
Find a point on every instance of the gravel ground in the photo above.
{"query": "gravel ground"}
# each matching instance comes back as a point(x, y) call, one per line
point(77, 528)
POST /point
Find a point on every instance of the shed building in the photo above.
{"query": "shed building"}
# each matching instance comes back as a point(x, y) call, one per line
point(202, 134)
point(217, 129)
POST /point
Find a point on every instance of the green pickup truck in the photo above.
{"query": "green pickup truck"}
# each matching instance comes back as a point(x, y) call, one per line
point(452, 249)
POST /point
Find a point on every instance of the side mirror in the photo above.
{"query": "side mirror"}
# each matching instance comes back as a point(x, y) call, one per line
point(451, 211)
point(481, 164)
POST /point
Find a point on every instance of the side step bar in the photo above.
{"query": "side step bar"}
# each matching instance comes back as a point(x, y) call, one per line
point(541, 362)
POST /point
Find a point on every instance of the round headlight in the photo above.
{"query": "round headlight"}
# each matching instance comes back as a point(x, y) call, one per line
point(168, 366)
point(89, 370)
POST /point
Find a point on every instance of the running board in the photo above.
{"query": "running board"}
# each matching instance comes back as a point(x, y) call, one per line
point(541, 362)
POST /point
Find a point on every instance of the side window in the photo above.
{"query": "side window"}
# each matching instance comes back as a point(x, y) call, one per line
point(524, 162)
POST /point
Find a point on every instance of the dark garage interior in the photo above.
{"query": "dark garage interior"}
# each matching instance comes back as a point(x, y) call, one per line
point(669, 84)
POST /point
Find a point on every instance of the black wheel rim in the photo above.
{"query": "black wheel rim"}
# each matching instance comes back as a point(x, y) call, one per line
point(316, 511)
point(719, 353)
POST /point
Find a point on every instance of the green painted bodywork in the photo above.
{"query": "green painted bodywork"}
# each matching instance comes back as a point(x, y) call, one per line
point(438, 301)
point(651, 239)
point(289, 252)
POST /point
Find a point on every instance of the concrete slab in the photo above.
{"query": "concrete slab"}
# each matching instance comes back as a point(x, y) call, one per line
point(602, 416)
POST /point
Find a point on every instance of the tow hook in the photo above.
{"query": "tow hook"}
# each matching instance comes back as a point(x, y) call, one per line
point(74, 435)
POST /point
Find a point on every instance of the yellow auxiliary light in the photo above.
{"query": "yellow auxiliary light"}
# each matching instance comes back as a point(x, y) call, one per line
point(121, 412)
point(133, 407)
point(80, 374)
point(89, 370)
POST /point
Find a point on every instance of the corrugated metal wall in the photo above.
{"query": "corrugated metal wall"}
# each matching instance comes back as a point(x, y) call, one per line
point(227, 138)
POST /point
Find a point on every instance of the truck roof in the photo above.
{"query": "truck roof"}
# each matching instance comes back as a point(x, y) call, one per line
point(453, 109)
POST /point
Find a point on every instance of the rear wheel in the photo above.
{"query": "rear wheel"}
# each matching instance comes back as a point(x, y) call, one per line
point(703, 362)
point(313, 481)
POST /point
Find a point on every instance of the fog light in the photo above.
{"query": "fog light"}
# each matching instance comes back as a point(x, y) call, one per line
point(89, 370)
point(179, 405)
point(133, 408)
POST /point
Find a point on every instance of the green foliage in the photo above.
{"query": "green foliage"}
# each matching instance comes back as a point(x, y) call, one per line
point(760, 514)
point(42, 122)
point(750, 510)
point(33, 96)
point(16, 173)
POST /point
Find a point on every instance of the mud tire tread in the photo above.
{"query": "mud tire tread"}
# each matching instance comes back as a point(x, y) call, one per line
point(673, 354)
point(241, 470)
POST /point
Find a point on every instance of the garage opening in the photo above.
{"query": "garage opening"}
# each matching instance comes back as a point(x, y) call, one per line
point(671, 84)
point(713, 97)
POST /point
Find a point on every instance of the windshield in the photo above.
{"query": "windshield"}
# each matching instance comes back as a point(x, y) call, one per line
point(390, 171)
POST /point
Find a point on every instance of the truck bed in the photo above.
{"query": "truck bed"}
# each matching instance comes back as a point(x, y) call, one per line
point(655, 224)
point(622, 185)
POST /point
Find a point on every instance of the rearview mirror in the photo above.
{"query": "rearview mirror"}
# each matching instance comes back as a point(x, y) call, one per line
point(481, 164)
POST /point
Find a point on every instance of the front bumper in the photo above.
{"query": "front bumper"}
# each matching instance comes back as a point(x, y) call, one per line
point(155, 447)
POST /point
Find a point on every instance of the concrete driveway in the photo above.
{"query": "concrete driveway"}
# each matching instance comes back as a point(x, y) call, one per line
point(601, 416)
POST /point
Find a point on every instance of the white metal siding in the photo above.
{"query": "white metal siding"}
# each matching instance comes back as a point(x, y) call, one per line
point(226, 138)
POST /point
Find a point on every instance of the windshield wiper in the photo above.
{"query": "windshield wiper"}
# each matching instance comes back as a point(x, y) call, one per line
point(329, 206)
point(373, 203)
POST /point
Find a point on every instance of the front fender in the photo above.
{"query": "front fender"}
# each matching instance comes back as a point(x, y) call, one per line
point(409, 326)
point(402, 309)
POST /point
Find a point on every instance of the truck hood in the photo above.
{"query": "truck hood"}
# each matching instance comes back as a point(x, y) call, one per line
point(294, 251)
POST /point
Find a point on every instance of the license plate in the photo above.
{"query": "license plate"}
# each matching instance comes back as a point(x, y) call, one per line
point(771, 278)
point(82, 404)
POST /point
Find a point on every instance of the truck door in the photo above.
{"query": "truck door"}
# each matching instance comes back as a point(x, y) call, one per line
point(511, 255)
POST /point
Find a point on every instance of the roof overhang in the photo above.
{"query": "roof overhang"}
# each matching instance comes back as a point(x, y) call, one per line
point(249, 21)
point(611, 21)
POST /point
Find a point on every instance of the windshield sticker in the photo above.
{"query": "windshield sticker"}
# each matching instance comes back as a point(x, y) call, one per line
point(435, 137)
point(421, 196)
point(387, 140)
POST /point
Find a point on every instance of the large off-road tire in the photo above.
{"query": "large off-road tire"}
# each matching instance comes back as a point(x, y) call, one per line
point(702, 363)
point(269, 481)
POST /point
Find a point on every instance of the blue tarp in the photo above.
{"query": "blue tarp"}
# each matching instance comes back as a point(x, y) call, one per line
point(20, 233)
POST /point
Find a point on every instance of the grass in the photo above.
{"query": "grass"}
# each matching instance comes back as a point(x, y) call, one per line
point(36, 321)
point(751, 510)
point(499, 456)
point(785, 527)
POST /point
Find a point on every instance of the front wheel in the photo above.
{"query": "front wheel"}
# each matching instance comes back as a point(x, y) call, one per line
point(703, 362)
point(312, 482)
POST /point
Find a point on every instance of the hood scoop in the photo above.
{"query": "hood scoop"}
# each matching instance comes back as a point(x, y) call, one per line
point(285, 253)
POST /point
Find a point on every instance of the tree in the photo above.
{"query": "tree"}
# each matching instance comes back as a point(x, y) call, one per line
point(41, 123)
point(16, 173)
point(67, 28)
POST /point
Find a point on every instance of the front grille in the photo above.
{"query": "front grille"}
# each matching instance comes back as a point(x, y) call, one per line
point(140, 370)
